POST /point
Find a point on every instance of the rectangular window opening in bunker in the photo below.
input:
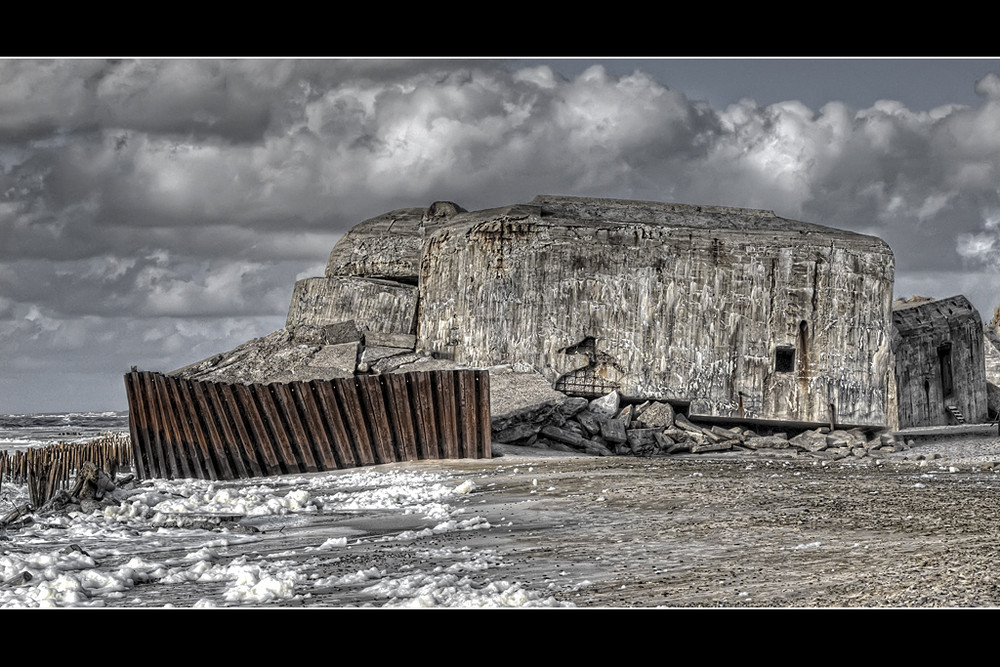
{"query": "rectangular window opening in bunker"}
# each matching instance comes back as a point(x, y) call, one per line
point(784, 359)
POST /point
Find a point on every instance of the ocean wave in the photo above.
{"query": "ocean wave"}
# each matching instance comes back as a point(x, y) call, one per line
point(37, 430)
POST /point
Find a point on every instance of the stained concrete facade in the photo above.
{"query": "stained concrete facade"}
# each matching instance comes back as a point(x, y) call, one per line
point(731, 313)
point(991, 332)
point(940, 361)
point(373, 304)
point(991, 348)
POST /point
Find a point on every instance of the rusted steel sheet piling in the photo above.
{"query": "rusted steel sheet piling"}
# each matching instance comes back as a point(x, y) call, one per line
point(211, 430)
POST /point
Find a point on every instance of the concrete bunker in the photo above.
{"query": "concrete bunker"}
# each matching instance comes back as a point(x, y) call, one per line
point(734, 313)
point(938, 345)
point(652, 312)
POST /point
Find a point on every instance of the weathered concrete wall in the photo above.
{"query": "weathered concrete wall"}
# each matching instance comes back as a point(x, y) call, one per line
point(668, 301)
point(991, 354)
point(939, 338)
point(374, 305)
point(389, 245)
point(991, 346)
point(892, 410)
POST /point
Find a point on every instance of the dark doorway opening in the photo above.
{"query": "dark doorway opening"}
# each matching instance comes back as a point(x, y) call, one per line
point(947, 378)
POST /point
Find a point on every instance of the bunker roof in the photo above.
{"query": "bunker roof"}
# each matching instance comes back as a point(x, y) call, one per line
point(671, 215)
point(923, 314)
point(560, 210)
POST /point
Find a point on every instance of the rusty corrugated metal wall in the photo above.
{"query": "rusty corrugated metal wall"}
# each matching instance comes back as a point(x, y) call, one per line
point(212, 430)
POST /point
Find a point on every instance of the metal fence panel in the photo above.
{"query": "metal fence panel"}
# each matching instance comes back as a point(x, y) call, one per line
point(209, 430)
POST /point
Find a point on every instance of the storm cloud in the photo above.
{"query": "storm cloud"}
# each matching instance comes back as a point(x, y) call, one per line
point(156, 212)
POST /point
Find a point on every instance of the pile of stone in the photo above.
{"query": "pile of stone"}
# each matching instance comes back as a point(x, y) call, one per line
point(607, 426)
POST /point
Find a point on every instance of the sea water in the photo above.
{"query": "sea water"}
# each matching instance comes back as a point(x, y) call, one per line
point(19, 432)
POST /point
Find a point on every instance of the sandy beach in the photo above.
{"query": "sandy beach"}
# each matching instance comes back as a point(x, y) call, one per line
point(529, 527)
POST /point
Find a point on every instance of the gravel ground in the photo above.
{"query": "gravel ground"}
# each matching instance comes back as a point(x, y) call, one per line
point(916, 529)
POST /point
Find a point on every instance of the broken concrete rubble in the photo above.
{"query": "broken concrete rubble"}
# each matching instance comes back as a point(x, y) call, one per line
point(658, 414)
point(614, 435)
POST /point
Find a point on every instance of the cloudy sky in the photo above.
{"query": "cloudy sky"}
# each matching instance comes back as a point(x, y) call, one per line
point(156, 212)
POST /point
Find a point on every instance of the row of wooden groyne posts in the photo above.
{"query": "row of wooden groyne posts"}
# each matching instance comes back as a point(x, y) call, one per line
point(220, 431)
point(47, 469)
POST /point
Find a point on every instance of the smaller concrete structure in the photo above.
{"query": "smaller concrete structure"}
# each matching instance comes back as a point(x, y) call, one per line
point(991, 349)
point(939, 355)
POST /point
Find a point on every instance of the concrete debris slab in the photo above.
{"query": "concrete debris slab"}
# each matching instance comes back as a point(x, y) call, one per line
point(403, 341)
point(589, 421)
point(810, 441)
point(606, 406)
point(658, 414)
point(613, 430)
